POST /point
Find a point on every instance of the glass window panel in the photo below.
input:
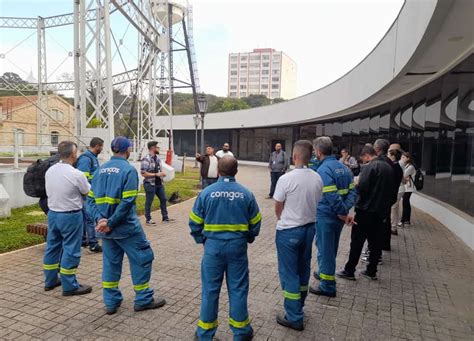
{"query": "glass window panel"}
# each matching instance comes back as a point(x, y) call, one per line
point(374, 124)
point(419, 112)
point(365, 125)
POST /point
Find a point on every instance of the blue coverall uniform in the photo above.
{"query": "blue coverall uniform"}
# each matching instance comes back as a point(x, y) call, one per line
point(225, 217)
point(88, 164)
point(314, 163)
point(339, 195)
point(112, 196)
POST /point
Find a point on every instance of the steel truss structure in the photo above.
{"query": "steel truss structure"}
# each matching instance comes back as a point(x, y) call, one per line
point(162, 37)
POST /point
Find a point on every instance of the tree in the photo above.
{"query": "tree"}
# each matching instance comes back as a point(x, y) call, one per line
point(254, 101)
point(228, 104)
point(278, 100)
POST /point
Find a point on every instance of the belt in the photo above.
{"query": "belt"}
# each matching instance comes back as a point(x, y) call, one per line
point(73, 211)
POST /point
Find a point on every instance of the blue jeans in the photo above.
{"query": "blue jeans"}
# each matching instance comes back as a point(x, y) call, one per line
point(140, 256)
point(328, 232)
point(89, 229)
point(150, 192)
point(208, 181)
point(227, 257)
point(63, 249)
point(294, 267)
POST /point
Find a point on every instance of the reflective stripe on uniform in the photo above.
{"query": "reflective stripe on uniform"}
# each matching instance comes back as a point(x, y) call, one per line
point(140, 287)
point(197, 219)
point(129, 194)
point(208, 325)
point(110, 285)
point(256, 219)
point(237, 324)
point(107, 200)
point(304, 288)
point(327, 277)
point(352, 185)
point(91, 194)
point(51, 266)
point(64, 271)
point(329, 189)
point(291, 296)
point(88, 175)
point(226, 227)
point(343, 191)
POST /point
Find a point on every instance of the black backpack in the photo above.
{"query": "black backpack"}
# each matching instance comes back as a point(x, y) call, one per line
point(33, 181)
point(419, 180)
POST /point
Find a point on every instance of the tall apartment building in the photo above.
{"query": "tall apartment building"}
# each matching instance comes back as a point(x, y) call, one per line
point(262, 71)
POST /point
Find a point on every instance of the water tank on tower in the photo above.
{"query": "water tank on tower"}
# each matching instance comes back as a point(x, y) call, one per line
point(160, 11)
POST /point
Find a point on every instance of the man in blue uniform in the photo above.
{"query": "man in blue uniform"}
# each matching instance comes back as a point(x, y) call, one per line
point(339, 195)
point(225, 217)
point(88, 164)
point(112, 206)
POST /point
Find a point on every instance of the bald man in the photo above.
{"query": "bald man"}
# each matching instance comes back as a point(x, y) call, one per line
point(225, 217)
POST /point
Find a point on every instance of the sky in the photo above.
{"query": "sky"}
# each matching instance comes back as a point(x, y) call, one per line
point(326, 38)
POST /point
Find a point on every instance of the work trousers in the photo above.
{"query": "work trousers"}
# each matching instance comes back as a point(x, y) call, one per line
point(406, 213)
point(274, 176)
point(140, 256)
point(89, 235)
point(328, 232)
point(224, 257)
point(63, 249)
point(294, 248)
point(150, 192)
point(369, 227)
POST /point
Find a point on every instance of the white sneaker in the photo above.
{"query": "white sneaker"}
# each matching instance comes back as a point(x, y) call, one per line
point(150, 222)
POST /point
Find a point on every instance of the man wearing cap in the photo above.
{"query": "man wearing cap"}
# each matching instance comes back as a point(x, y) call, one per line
point(112, 205)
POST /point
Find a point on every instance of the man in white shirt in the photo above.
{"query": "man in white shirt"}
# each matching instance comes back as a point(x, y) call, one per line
point(297, 195)
point(225, 151)
point(65, 186)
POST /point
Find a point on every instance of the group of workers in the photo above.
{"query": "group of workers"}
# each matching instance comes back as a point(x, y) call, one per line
point(311, 202)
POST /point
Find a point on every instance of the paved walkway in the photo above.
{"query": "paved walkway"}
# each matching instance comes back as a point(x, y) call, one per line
point(425, 290)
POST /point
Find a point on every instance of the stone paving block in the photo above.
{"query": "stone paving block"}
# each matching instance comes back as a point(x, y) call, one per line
point(421, 293)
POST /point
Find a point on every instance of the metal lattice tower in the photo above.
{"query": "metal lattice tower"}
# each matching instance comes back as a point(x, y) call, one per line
point(165, 44)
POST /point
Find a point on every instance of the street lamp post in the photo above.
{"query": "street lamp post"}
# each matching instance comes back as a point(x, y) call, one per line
point(202, 104)
point(196, 125)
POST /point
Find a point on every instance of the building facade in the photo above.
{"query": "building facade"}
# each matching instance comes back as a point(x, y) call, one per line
point(17, 112)
point(261, 72)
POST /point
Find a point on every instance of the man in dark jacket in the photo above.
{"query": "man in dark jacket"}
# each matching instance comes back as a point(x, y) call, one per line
point(375, 199)
point(209, 172)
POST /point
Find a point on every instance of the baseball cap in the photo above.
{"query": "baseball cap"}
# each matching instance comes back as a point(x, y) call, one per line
point(120, 144)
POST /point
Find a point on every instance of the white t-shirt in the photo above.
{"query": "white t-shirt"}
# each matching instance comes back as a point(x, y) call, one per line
point(300, 190)
point(212, 172)
point(222, 153)
point(409, 171)
point(65, 187)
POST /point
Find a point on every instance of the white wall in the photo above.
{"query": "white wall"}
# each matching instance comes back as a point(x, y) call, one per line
point(12, 181)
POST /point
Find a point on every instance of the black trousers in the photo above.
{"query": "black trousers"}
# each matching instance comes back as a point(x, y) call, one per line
point(369, 227)
point(406, 212)
point(274, 179)
point(387, 232)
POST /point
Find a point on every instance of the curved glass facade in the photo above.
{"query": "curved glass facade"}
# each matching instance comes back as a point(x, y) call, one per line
point(435, 123)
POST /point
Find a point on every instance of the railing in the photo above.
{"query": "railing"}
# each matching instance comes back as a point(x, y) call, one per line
point(17, 145)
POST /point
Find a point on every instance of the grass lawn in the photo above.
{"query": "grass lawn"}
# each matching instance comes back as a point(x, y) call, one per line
point(13, 234)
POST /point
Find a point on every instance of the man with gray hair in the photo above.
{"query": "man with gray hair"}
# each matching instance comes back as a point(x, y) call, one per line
point(65, 186)
point(339, 195)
